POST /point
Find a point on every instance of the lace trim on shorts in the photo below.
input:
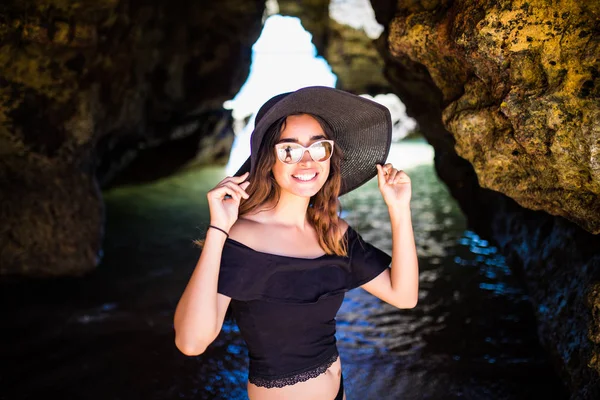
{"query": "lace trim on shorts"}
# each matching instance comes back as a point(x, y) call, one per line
point(293, 379)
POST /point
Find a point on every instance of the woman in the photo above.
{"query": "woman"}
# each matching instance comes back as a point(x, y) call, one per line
point(277, 251)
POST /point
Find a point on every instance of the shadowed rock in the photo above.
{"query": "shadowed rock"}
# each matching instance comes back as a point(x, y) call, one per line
point(85, 84)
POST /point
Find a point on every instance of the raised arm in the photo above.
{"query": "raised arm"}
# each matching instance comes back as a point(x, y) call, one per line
point(201, 310)
point(400, 285)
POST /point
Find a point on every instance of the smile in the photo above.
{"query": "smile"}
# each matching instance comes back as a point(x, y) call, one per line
point(305, 177)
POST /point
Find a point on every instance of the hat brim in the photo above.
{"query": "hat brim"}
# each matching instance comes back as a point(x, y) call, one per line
point(362, 129)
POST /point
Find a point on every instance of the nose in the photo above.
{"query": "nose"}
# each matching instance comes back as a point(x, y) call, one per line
point(305, 157)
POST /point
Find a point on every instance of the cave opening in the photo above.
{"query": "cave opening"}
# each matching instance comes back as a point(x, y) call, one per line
point(283, 59)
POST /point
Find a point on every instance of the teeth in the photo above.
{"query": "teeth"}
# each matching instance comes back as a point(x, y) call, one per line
point(305, 177)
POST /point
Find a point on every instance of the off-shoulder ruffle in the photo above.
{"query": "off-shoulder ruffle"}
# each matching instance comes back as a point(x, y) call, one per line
point(246, 274)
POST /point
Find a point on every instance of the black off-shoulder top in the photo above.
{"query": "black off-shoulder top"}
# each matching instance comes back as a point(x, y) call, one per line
point(285, 307)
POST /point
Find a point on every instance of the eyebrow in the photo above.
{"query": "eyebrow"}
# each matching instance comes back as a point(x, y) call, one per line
point(294, 140)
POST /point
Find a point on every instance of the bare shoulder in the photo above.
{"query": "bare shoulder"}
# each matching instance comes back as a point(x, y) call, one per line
point(243, 230)
point(343, 225)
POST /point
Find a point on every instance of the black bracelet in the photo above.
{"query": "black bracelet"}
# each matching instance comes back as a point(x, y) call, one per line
point(219, 229)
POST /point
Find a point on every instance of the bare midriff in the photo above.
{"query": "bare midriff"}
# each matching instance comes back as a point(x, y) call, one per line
point(324, 386)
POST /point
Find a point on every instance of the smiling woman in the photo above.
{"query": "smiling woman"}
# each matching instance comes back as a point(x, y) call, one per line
point(301, 175)
point(281, 256)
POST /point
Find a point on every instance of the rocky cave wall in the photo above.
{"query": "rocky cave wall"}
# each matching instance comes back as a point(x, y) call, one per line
point(84, 87)
point(507, 92)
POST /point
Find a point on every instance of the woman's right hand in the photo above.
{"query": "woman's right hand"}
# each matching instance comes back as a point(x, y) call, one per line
point(224, 210)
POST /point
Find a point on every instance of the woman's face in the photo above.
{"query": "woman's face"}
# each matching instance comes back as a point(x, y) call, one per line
point(306, 177)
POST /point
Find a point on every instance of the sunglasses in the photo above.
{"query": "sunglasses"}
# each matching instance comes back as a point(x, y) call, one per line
point(291, 153)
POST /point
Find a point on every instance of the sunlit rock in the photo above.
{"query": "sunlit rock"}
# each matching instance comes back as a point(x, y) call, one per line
point(512, 88)
point(519, 83)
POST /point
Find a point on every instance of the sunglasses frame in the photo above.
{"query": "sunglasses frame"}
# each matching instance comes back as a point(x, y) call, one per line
point(304, 150)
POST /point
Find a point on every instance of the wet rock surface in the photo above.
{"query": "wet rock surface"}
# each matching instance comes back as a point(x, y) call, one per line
point(561, 266)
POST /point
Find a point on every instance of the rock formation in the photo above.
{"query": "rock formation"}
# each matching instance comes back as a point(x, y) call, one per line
point(520, 89)
point(84, 86)
point(507, 92)
point(352, 55)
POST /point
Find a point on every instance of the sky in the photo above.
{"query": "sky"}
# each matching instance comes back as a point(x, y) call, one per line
point(283, 60)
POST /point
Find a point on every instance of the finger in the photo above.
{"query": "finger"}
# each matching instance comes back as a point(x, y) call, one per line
point(235, 179)
point(220, 193)
point(401, 176)
point(236, 196)
point(242, 189)
point(380, 175)
point(241, 178)
point(224, 191)
point(388, 167)
point(392, 175)
point(232, 194)
point(237, 189)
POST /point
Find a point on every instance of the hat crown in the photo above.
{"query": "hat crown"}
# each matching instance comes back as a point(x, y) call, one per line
point(268, 105)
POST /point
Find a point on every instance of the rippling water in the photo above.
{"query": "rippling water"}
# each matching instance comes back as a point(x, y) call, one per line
point(109, 335)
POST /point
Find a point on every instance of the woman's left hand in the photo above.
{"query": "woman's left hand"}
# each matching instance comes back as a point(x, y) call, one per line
point(394, 186)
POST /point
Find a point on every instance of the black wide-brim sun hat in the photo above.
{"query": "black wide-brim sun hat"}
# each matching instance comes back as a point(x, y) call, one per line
point(362, 129)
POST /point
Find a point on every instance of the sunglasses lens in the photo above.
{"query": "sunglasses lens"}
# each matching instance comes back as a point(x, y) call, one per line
point(290, 153)
point(320, 151)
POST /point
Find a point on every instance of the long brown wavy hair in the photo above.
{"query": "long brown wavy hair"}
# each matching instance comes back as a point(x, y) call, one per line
point(324, 205)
